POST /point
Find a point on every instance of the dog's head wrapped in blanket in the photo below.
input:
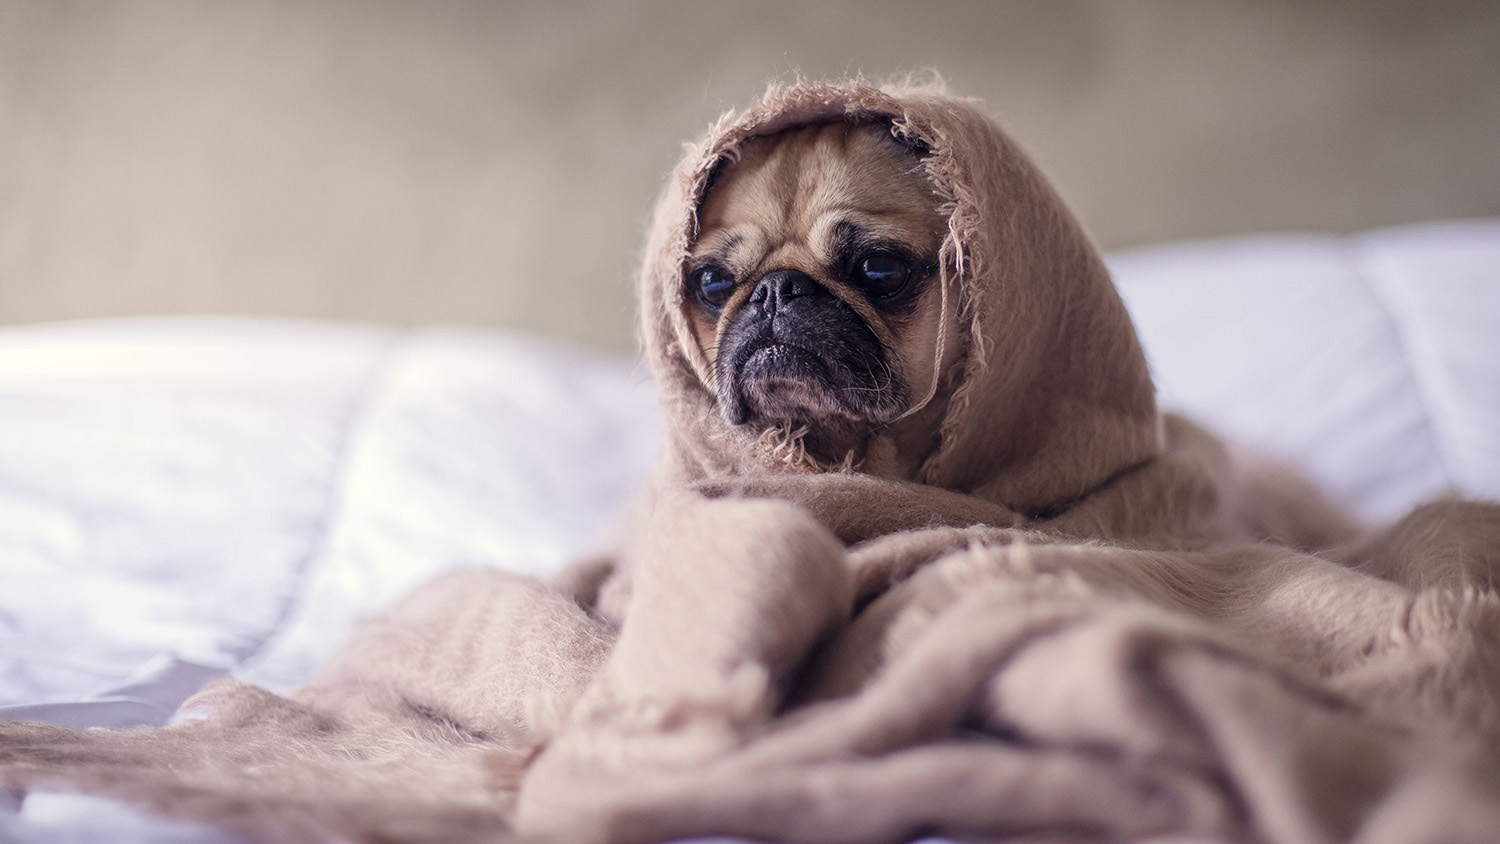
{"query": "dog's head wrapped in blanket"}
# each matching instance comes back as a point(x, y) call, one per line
point(1017, 600)
point(1046, 396)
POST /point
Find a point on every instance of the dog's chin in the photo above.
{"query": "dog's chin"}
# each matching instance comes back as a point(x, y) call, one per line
point(780, 384)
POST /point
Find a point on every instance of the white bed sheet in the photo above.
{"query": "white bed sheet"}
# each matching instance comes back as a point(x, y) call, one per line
point(1371, 361)
point(185, 498)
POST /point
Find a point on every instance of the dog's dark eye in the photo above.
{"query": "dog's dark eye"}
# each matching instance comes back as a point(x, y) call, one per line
point(713, 286)
point(882, 275)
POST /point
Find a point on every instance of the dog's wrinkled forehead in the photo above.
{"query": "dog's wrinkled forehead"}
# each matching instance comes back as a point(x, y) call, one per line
point(789, 199)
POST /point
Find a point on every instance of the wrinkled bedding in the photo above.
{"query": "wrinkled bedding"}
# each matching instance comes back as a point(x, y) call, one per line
point(186, 498)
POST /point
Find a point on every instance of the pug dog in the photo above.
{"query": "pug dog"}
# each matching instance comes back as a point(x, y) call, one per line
point(815, 288)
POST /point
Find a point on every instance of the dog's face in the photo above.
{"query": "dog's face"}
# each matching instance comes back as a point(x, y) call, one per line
point(813, 283)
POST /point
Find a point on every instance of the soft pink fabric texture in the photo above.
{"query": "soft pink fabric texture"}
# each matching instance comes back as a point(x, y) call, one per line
point(1077, 620)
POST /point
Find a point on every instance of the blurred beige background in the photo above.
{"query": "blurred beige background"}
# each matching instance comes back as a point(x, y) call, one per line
point(492, 163)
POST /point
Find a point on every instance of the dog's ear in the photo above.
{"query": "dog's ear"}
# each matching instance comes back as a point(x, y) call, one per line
point(913, 142)
point(715, 172)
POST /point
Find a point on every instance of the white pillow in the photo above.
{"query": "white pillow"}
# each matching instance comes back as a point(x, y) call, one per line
point(1372, 361)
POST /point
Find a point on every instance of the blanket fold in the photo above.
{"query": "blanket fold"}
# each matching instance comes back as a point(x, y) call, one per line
point(1071, 617)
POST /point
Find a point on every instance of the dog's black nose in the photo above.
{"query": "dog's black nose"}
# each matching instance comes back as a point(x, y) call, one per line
point(778, 287)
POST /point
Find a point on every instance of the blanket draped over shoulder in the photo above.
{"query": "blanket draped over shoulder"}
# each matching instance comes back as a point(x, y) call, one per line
point(1076, 619)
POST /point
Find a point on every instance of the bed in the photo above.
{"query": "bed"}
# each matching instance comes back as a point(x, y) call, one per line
point(192, 497)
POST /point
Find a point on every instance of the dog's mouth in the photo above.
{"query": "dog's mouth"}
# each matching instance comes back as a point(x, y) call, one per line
point(779, 381)
point(776, 362)
point(772, 381)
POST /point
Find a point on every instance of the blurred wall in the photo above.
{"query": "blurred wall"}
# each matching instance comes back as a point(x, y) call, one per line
point(492, 162)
